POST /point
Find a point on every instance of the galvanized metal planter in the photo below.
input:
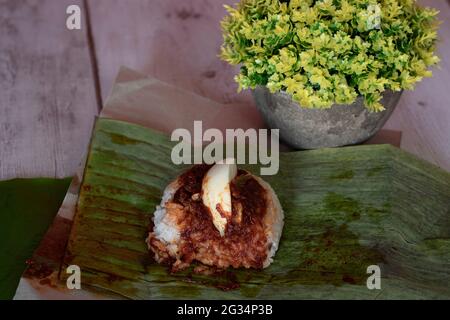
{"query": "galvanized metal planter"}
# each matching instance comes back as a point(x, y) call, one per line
point(337, 126)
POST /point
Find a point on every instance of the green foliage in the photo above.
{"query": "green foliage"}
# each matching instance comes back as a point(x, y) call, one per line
point(330, 51)
point(27, 208)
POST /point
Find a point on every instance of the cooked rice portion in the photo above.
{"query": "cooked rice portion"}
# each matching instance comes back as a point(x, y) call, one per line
point(183, 231)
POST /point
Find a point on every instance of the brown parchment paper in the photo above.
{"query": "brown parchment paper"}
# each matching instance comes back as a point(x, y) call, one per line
point(146, 101)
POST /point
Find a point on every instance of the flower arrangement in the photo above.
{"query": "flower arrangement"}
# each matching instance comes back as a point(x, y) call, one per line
point(323, 52)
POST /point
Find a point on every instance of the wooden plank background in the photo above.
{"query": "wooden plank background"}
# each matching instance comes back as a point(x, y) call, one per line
point(423, 115)
point(47, 100)
point(50, 93)
point(175, 41)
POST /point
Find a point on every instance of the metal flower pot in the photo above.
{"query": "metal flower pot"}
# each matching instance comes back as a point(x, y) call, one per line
point(337, 126)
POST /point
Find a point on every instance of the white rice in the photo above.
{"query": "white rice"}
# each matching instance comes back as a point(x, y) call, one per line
point(165, 229)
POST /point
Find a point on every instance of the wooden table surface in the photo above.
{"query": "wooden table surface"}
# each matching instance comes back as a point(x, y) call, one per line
point(53, 81)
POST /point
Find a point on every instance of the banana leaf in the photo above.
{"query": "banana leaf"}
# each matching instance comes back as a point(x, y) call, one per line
point(27, 208)
point(345, 209)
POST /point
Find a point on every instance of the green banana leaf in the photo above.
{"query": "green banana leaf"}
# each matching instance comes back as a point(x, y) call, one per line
point(345, 209)
point(27, 208)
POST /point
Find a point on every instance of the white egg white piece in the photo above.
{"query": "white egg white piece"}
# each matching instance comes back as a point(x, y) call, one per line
point(216, 192)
